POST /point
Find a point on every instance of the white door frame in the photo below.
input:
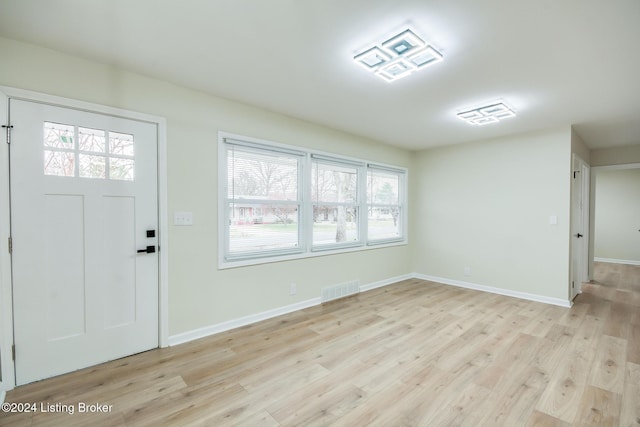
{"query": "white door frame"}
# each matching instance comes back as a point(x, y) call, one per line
point(592, 205)
point(6, 308)
point(6, 321)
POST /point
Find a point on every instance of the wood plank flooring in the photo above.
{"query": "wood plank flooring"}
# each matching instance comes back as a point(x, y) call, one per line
point(619, 276)
point(414, 353)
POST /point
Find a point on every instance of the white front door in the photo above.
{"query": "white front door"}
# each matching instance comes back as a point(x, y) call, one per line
point(83, 205)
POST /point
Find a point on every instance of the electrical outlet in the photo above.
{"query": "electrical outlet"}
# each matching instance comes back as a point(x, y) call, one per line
point(293, 289)
point(467, 271)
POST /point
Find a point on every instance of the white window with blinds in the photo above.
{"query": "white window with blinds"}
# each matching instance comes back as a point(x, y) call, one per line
point(336, 200)
point(279, 202)
point(385, 205)
point(263, 200)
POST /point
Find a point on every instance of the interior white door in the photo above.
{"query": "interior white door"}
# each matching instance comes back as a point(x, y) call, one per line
point(83, 205)
point(579, 225)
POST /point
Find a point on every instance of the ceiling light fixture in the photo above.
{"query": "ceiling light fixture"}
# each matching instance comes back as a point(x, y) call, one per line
point(491, 113)
point(398, 57)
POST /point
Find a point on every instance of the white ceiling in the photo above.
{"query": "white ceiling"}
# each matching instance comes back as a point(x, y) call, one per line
point(557, 62)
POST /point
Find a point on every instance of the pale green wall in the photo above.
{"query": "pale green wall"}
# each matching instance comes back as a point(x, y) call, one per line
point(617, 215)
point(579, 147)
point(616, 156)
point(486, 205)
point(200, 295)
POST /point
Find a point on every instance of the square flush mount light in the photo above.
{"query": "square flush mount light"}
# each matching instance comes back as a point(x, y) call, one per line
point(399, 56)
point(492, 113)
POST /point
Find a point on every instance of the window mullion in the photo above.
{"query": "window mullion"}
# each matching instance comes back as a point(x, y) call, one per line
point(362, 203)
point(306, 216)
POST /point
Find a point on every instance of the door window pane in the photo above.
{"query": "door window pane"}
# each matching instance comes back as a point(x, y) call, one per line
point(121, 144)
point(91, 140)
point(59, 163)
point(92, 166)
point(121, 169)
point(58, 136)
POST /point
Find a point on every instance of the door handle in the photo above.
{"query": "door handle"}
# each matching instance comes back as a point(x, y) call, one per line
point(579, 235)
point(147, 250)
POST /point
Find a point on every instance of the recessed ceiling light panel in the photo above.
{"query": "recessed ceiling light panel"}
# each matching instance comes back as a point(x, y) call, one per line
point(399, 56)
point(491, 113)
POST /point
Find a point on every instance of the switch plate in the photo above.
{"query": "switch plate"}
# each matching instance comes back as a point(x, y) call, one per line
point(183, 218)
point(553, 220)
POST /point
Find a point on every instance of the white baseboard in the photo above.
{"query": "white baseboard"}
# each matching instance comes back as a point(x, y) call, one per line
point(617, 261)
point(241, 321)
point(258, 317)
point(386, 282)
point(499, 291)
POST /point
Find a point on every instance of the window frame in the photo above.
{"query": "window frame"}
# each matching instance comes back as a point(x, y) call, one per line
point(305, 248)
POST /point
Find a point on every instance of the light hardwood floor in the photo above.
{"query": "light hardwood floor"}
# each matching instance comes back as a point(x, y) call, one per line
point(413, 353)
point(620, 276)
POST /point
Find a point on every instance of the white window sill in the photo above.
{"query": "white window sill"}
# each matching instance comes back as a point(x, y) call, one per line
point(226, 264)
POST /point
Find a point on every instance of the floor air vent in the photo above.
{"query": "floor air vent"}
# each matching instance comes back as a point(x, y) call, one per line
point(340, 291)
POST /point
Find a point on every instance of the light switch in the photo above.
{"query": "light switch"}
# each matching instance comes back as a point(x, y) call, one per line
point(553, 220)
point(183, 218)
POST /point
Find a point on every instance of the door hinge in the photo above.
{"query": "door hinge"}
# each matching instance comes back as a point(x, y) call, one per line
point(573, 285)
point(13, 352)
point(574, 174)
point(10, 244)
point(8, 128)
